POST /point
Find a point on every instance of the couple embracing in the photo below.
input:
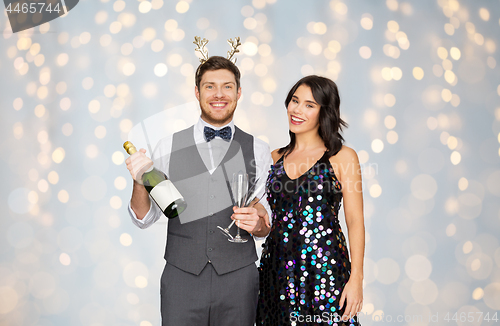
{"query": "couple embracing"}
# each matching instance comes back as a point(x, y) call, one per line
point(306, 274)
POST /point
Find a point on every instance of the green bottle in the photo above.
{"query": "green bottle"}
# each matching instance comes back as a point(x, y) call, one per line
point(162, 190)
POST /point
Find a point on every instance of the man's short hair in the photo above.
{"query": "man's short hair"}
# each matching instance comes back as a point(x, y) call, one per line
point(217, 63)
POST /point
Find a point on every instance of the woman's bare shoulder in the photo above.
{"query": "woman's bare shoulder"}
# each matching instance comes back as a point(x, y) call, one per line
point(345, 155)
point(345, 162)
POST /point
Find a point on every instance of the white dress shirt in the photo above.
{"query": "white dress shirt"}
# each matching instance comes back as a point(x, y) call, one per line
point(212, 154)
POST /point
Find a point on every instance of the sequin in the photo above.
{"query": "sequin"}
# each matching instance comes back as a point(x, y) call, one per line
point(305, 262)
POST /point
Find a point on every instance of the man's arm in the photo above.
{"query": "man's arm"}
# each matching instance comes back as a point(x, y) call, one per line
point(142, 210)
point(140, 202)
point(137, 163)
point(264, 218)
point(256, 219)
point(263, 167)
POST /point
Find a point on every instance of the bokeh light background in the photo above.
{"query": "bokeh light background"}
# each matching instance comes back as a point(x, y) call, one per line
point(420, 87)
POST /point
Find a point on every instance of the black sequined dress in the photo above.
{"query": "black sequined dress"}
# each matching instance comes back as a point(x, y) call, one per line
point(305, 262)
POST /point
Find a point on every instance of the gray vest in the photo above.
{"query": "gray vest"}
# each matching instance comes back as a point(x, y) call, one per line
point(193, 239)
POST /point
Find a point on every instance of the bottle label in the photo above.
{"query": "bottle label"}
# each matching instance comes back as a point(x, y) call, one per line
point(165, 194)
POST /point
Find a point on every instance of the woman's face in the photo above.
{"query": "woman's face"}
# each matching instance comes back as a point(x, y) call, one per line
point(303, 111)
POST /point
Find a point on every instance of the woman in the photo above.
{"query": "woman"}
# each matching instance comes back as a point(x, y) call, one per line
point(306, 277)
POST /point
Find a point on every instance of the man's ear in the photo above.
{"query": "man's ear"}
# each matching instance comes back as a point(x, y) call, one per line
point(239, 93)
point(197, 93)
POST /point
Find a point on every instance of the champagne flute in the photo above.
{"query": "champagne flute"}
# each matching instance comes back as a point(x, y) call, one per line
point(239, 188)
point(250, 200)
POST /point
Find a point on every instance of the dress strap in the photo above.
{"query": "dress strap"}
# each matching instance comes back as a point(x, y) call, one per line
point(322, 158)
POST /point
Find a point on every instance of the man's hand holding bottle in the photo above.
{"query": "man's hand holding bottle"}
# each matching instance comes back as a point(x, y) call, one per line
point(137, 164)
point(159, 187)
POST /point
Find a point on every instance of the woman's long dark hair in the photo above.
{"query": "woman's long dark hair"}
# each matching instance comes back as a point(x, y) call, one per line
point(326, 94)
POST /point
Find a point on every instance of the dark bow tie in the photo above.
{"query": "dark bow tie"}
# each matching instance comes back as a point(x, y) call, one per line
point(224, 133)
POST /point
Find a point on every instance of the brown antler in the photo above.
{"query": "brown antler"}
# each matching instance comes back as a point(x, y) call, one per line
point(234, 48)
point(200, 47)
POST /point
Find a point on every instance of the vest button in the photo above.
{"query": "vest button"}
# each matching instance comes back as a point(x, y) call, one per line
point(212, 196)
point(210, 249)
point(211, 231)
point(211, 214)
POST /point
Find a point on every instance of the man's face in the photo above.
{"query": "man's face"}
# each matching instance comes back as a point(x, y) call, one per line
point(218, 96)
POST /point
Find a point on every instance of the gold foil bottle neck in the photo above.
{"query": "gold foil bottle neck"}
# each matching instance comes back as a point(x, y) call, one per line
point(129, 147)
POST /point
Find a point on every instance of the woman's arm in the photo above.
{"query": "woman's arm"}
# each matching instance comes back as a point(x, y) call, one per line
point(349, 173)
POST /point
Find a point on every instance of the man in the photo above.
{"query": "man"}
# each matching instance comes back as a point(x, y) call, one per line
point(207, 280)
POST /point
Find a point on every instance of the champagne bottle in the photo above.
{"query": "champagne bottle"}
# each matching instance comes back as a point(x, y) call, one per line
point(162, 190)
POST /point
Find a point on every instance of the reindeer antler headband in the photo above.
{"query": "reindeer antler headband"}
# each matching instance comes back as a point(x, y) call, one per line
point(201, 43)
point(234, 48)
